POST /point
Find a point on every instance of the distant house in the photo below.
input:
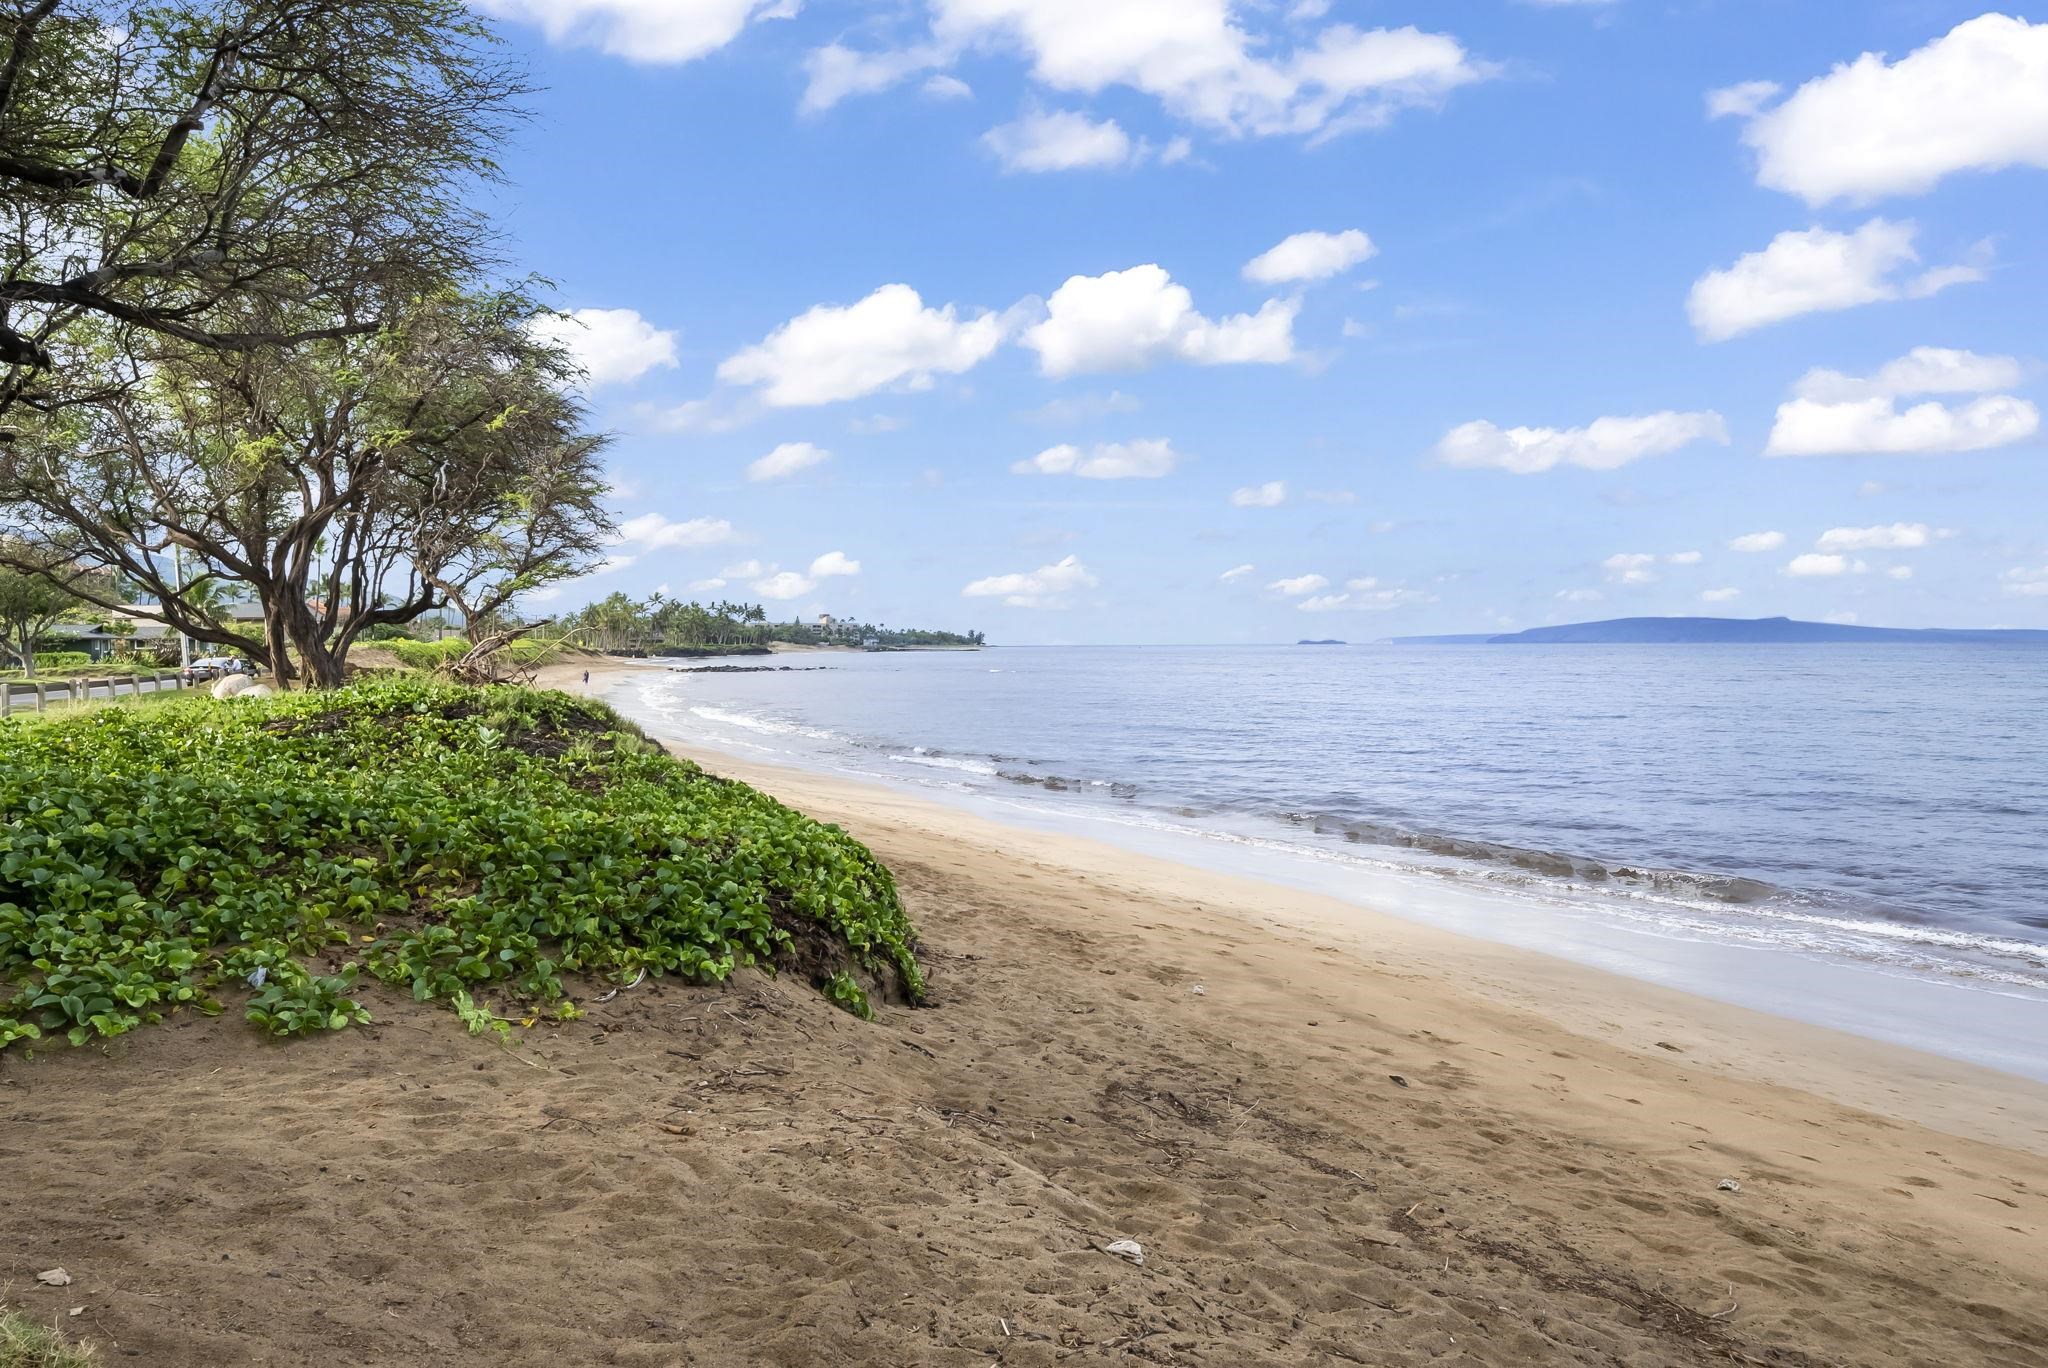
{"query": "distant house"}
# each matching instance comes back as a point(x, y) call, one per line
point(826, 622)
point(99, 643)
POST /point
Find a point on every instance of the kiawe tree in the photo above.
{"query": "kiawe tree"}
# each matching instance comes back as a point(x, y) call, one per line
point(349, 483)
point(232, 175)
point(33, 600)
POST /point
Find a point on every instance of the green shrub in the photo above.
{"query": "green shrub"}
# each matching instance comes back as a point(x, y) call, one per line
point(430, 655)
point(63, 660)
point(450, 841)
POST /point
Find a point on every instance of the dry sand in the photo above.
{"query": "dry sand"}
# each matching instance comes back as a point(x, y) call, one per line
point(1340, 1138)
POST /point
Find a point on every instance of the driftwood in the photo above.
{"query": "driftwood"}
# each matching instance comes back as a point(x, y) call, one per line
point(478, 665)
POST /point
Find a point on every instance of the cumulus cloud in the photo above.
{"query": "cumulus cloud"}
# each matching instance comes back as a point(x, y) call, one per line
point(1833, 414)
point(1366, 596)
point(2029, 583)
point(787, 460)
point(889, 340)
point(1603, 444)
point(1816, 565)
point(1719, 595)
point(1310, 256)
point(610, 346)
point(1816, 270)
point(1924, 370)
point(1127, 320)
point(774, 583)
point(834, 565)
point(1685, 557)
point(1199, 59)
point(1147, 459)
point(641, 30)
point(1236, 573)
point(1271, 494)
point(1630, 567)
point(1580, 596)
point(1878, 426)
point(783, 586)
point(1061, 141)
point(1300, 585)
point(1045, 587)
point(654, 532)
point(1897, 537)
point(1757, 541)
point(1974, 99)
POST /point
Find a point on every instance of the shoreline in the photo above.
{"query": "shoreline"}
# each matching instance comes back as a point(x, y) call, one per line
point(1992, 1032)
point(1338, 1138)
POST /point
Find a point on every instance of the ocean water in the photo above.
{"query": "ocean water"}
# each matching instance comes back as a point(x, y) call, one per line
point(1881, 809)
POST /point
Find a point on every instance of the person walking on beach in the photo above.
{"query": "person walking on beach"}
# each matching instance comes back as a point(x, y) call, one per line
point(586, 679)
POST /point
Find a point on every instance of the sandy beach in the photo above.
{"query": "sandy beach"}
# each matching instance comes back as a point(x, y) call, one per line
point(1339, 1138)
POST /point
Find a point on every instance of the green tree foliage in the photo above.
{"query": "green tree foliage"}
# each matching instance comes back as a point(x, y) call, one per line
point(346, 484)
point(232, 174)
point(461, 845)
point(35, 593)
point(619, 623)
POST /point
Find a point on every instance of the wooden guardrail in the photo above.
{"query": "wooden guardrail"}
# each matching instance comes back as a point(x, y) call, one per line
point(23, 695)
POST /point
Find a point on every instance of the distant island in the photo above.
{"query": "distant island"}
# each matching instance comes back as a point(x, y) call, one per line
point(1325, 642)
point(1661, 631)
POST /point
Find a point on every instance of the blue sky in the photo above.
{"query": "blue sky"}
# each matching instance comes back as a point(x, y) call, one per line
point(998, 313)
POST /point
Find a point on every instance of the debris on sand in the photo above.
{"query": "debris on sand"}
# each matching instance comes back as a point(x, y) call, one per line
point(1126, 1249)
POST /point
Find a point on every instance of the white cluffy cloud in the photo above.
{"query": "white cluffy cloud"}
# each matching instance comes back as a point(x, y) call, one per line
point(1603, 444)
point(1816, 271)
point(888, 340)
point(1365, 596)
point(1199, 58)
point(781, 585)
point(1897, 537)
point(1975, 99)
point(1815, 565)
point(1310, 256)
point(1146, 459)
point(610, 346)
point(1832, 414)
point(1045, 587)
point(1719, 595)
point(1061, 141)
point(2031, 583)
point(1630, 567)
point(1757, 541)
point(787, 460)
point(1127, 320)
point(1300, 585)
point(1271, 494)
point(653, 532)
point(1236, 573)
point(641, 30)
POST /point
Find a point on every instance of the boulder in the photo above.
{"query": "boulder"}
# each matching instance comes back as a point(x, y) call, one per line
point(230, 686)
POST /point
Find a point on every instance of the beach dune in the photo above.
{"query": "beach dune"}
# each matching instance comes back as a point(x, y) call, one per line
point(1338, 1138)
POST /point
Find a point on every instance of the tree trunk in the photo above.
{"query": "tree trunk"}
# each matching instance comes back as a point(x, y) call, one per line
point(275, 636)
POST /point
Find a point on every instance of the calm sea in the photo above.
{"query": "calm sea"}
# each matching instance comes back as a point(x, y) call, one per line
point(1885, 805)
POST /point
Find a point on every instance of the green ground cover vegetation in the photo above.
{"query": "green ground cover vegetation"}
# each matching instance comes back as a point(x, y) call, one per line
point(488, 848)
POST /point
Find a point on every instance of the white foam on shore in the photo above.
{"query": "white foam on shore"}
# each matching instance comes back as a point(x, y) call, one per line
point(1849, 973)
